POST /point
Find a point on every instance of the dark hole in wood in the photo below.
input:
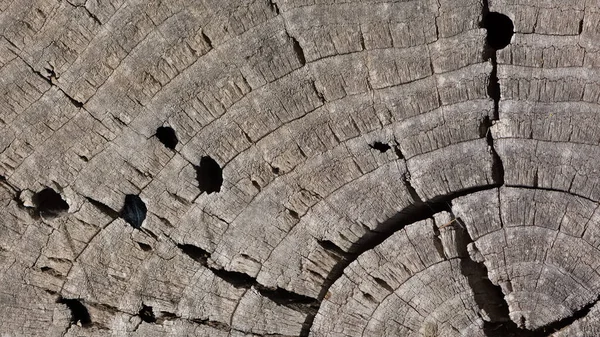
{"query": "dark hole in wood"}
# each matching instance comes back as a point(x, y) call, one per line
point(294, 214)
point(275, 170)
point(256, 185)
point(49, 203)
point(166, 135)
point(146, 314)
point(79, 312)
point(134, 210)
point(500, 30)
point(381, 147)
point(144, 246)
point(209, 175)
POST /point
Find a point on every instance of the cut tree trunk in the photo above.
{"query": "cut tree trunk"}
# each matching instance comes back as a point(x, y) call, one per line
point(299, 168)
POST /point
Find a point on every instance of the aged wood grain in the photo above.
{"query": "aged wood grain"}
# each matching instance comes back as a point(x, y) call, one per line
point(299, 168)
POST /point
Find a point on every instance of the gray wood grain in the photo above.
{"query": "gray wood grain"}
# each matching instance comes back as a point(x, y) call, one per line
point(385, 173)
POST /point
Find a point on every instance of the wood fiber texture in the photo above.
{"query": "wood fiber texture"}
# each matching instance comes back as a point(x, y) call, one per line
point(246, 168)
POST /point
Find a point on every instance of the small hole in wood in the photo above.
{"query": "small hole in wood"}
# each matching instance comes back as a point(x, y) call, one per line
point(500, 30)
point(144, 246)
point(167, 136)
point(209, 175)
point(79, 313)
point(294, 214)
point(134, 210)
point(146, 314)
point(381, 147)
point(49, 203)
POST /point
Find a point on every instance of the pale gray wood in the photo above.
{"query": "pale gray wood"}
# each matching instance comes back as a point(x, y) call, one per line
point(372, 186)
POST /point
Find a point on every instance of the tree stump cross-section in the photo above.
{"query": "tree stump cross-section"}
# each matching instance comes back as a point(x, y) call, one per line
point(246, 168)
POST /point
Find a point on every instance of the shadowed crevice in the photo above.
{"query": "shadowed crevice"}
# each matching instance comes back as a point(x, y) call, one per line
point(208, 40)
point(411, 214)
point(549, 189)
point(489, 297)
point(551, 328)
point(79, 313)
point(398, 151)
point(497, 164)
point(48, 80)
point(273, 6)
point(332, 248)
point(213, 324)
point(103, 208)
point(491, 300)
point(411, 189)
point(196, 253)
point(298, 302)
point(379, 146)
point(500, 30)
point(298, 50)
point(144, 247)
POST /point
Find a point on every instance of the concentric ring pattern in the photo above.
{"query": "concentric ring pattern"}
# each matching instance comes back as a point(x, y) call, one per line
point(374, 168)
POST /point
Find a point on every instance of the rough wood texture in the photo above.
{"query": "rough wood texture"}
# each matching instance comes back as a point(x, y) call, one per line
point(243, 168)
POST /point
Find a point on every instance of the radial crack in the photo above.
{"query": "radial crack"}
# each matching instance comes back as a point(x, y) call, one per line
point(489, 22)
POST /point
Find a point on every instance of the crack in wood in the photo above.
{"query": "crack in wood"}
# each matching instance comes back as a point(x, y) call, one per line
point(411, 214)
point(551, 328)
point(278, 295)
point(493, 91)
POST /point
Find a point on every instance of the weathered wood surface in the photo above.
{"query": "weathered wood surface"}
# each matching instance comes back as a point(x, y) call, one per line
point(341, 168)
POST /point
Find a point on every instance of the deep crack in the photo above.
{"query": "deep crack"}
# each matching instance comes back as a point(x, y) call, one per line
point(488, 296)
point(298, 302)
point(499, 33)
point(411, 214)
